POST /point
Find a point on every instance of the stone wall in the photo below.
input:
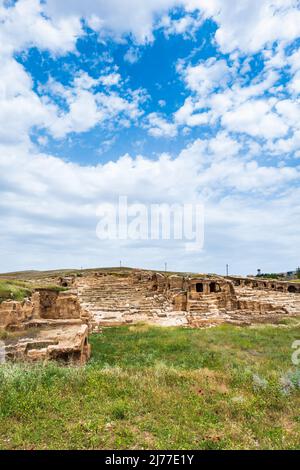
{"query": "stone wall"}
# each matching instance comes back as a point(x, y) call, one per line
point(44, 304)
point(202, 297)
point(266, 284)
point(158, 283)
point(57, 305)
point(13, 314)
point(49, 325)
point(157, 298)
point(66, 343)
point(186, 293)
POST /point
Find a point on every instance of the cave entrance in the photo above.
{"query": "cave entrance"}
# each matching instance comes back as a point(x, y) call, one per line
point(213, 287)
point(199, 287)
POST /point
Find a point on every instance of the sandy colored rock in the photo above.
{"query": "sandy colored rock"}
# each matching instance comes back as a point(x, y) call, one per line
point(156, 298)
point(50, 325)
point(65, 343)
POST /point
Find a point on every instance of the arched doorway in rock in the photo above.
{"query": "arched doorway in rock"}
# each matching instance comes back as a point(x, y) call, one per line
point(199, 287)
point(214, 287)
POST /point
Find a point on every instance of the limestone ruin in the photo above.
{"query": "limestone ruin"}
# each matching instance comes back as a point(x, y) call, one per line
point(156, 298)
point(50, 325)
point(55, 325)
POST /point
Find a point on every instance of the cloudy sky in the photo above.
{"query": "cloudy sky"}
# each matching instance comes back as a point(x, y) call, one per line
point(164, 101)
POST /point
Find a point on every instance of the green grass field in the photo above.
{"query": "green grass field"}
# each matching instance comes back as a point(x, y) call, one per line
point(13, 290)
point(157, 388)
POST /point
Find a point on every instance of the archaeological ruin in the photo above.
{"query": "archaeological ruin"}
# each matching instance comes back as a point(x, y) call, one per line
point(49, 325)
point(55, 324)
point(188, 300)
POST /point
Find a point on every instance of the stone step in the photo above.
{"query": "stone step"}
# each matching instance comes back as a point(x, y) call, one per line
point(110, 301)
point(203, 309)
point(122, 307)
point(121, 301)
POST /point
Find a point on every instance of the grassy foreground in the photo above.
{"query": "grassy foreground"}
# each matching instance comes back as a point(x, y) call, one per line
point(157, 388)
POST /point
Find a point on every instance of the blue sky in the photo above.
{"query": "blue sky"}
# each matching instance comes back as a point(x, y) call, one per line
point(169, 101)
point(153, 71)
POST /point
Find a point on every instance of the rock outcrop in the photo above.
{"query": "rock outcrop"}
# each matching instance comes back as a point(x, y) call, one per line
point(66, 342)
point(49, 325)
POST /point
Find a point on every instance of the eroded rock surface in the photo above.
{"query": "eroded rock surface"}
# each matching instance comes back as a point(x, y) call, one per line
point(113, 299)
point(66, 342)
point(49, 325)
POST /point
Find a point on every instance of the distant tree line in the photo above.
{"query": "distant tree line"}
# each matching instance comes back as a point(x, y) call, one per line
point(269, 275)
point(277, 276)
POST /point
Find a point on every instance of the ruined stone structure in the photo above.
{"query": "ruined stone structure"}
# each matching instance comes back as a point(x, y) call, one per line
point(113, 299)
point(266, 284)
point(50, 325)
point(65, 342)
point(55, 325)
point(267, 296)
